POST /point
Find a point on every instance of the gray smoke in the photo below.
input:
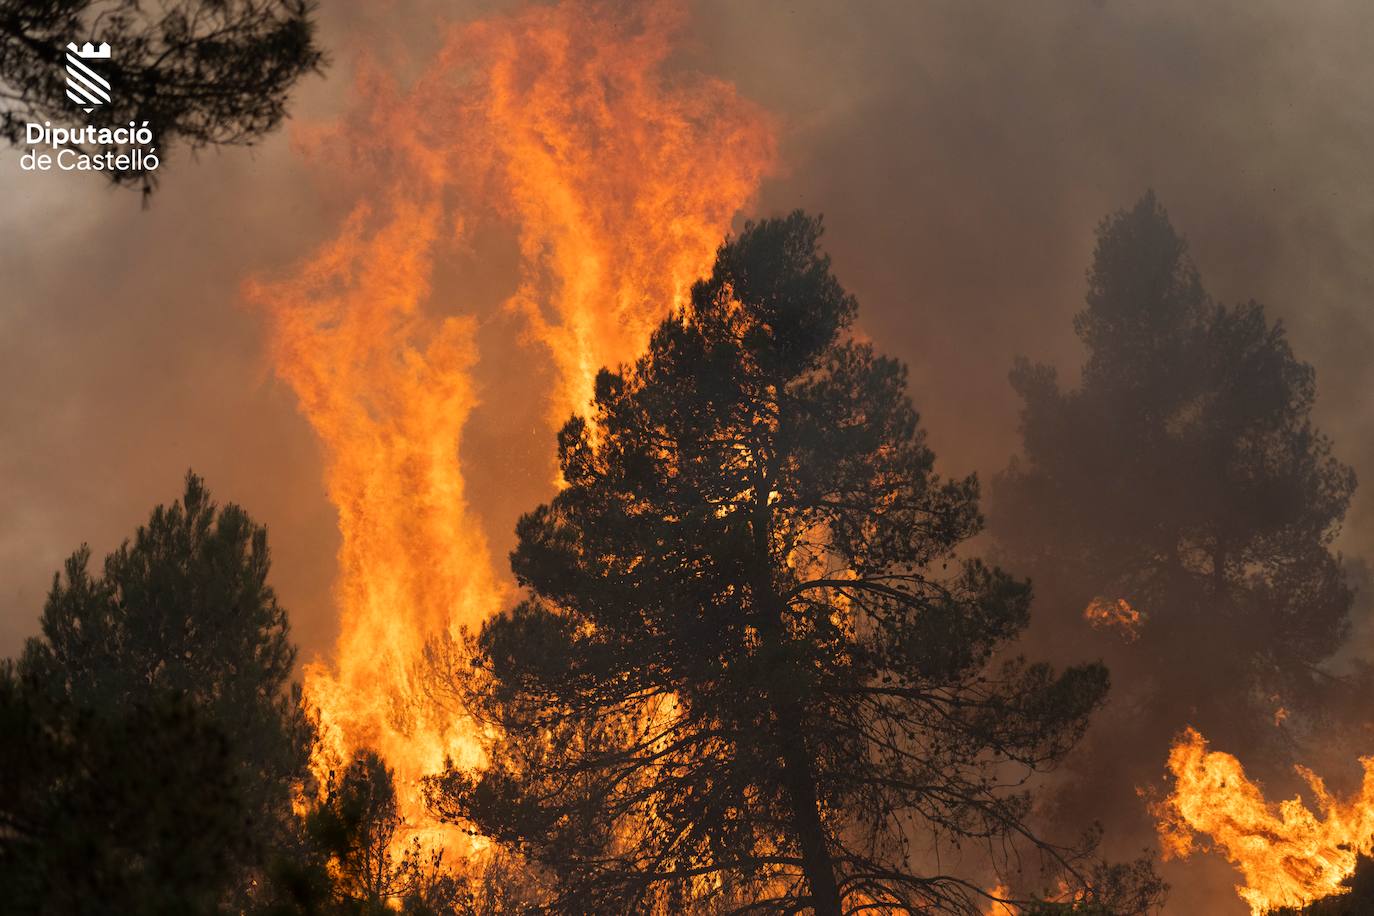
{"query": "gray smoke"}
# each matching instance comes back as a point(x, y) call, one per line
point(962, 154)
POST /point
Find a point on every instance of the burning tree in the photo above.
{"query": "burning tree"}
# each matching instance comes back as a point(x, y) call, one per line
point(352, 858)
point(751, 672)
point(1357, 896)
point(1183, 482)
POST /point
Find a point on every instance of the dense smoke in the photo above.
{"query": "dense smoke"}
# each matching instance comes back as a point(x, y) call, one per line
point(962, 156)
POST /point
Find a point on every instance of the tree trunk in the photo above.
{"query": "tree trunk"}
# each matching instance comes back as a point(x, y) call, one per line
point(798, 778)
point(800, 784)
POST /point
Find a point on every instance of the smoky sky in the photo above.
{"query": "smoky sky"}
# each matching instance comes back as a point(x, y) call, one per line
point(961, 153)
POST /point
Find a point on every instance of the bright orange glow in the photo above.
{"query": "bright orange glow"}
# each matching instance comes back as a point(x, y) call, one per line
point(1115, 615)
point(618, 179)
point(995, 906)
point(1289, 854)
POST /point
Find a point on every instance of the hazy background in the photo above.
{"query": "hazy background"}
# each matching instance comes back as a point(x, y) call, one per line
point(962, 154)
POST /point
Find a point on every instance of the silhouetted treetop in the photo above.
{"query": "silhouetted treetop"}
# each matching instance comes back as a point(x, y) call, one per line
point(179, 629)
point(1183, 475)
point(751, 673)
point(184, 607)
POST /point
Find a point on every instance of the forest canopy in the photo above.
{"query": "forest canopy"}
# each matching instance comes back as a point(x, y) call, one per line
point(756, 663)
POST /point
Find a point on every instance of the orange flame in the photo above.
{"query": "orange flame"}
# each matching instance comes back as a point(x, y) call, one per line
point(1289, 855)
point(997, 906)
point(618, 179)
point(1116, 615)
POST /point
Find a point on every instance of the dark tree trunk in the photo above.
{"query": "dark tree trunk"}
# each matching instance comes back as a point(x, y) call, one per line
point(798, 777)
point(800, 783)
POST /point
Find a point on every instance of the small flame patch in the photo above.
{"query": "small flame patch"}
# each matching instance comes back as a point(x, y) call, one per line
point(1119, 615)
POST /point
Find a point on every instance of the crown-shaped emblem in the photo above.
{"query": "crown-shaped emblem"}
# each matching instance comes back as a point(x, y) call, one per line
point(89, 50)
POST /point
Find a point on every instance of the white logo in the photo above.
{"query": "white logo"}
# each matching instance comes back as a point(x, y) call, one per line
point(85, 87)
point(126, 150)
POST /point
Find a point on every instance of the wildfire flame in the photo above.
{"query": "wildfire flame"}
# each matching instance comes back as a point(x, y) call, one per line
point(1115, 615)
point(618, 178)
point(1289, 854)
point(996, 906)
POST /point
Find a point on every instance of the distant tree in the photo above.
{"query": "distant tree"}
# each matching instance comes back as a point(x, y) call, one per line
point(361, 819)
point(356, 862)
point(183, 614)
point(1182, 475)
point(746, 678)
point(200, 72)
point(357, 827)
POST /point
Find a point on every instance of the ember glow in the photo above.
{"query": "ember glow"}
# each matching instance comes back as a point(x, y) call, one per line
point(1115, 615)
point(618, 180)
point(1290, 853)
